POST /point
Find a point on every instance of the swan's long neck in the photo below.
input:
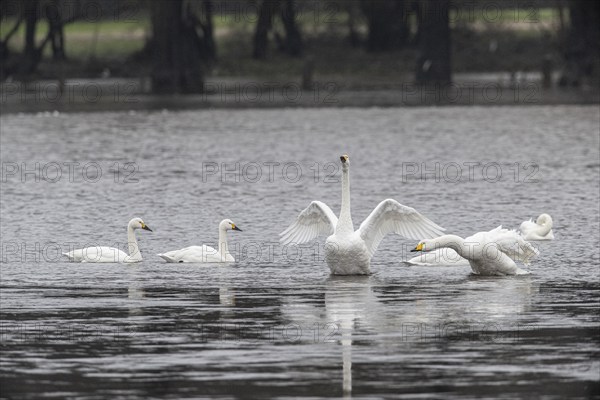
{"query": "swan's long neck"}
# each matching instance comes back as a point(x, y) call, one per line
point(546, 226)
point(132, 245)
point(453, 242)
point(344, 224)
point(223, 248)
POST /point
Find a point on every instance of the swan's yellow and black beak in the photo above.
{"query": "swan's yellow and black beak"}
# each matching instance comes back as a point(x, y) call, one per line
point(344, 159)
point(418, 248)
point(235, 228)
point(146, 227)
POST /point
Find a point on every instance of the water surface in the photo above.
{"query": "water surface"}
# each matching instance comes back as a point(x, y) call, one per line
point(275, 324)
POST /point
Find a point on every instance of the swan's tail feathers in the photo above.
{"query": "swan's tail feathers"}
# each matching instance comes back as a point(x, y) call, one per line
point(166, 258)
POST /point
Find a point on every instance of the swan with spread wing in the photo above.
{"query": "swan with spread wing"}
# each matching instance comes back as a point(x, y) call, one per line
point(488, 253)
point(349, 252)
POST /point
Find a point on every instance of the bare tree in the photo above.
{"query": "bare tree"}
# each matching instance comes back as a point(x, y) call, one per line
point(30, 54)
point(53, 13)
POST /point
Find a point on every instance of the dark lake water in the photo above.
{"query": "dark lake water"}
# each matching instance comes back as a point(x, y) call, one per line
point(275, 324)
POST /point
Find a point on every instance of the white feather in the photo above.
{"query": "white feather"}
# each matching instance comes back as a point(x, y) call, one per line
point(315, 220)
point(392, 217)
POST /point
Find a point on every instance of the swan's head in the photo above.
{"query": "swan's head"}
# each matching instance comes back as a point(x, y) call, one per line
point(345, 161)
point(422, 246)
point(544, 219)
point(440, 242)
point(228, 225)
point(137, 223)
point(431, 244)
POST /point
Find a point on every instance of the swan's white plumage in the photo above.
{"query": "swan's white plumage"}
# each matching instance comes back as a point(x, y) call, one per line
point(103, 254)
point(205, 254)
point(488, 253)
point(316, 219)
point(349, 252)
point(509, 242)
point(98, 254)
point(392, 217)
point(439, 257)
point(196, 254)
point(540, 229)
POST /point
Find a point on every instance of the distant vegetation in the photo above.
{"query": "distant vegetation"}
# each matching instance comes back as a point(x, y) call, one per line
point(362, 42)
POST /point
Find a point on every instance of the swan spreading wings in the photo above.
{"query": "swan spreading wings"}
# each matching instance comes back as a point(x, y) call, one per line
point(488, 253)
point(349, 252)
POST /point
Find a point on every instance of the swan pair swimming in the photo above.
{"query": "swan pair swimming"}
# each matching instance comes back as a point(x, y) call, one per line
point(538, 230)
point(192, 254)
point(349, 252)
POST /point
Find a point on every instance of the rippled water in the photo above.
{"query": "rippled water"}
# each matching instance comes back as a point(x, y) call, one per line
point(275, 324)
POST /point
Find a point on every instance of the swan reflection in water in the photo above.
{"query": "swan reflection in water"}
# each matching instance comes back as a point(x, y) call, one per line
point(136, 293)
point(349, 302)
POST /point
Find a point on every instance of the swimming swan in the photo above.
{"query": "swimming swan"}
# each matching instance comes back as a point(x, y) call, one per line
point(541, 229)
point(349, 252)
point(101, 254)
point(205, 254)
point(489, 253)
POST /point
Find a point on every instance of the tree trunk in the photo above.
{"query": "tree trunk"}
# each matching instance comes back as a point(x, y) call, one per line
point(293, 39)
point(266, 13)
point(208, 29)
point(56, 29)
point(177, 66)
point(434, 60)
point(388, 25)
point(582, 41)
point(30, 54)
point(353, 37)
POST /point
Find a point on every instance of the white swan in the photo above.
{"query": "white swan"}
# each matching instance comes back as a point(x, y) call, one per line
point(488, 253)
point(101, 254)
point(348, 252)
point(205, 254)
point(540, 229)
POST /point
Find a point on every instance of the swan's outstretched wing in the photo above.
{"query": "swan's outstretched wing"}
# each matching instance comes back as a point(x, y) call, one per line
point(392, 217)
point(317, 219)
point(512, 244)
